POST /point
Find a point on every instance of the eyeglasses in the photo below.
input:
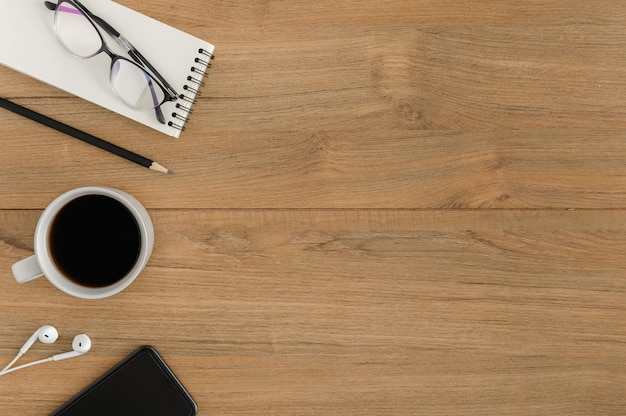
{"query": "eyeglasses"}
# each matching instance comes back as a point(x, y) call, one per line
point(75, 27)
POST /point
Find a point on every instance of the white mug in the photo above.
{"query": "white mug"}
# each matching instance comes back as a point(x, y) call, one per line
point(48, 262)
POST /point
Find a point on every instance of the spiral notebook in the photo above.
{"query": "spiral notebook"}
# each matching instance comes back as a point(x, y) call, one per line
point(30, 46)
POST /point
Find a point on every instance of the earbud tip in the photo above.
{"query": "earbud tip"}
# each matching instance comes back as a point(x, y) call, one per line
point(81, 343)
point(48, 334)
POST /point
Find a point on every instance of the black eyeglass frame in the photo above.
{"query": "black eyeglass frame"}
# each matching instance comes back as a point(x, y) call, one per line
point(139, 60)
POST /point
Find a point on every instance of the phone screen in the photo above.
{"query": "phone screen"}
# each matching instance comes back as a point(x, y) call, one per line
point(141, 384)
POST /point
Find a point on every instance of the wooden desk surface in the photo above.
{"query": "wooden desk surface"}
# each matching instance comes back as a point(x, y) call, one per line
point(379, 207)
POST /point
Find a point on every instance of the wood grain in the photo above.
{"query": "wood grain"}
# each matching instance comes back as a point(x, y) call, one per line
point(355, 311)
point(378, 208)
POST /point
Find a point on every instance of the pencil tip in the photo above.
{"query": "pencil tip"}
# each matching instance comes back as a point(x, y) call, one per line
point(156, 166)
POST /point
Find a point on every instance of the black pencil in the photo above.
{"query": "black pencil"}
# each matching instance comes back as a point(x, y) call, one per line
point(81, 135)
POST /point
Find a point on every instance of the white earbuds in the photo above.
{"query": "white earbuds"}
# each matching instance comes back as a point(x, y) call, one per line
point(80, 345)
point(48, 335)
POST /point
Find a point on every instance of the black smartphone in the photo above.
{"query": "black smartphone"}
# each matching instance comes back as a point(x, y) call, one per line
point(140, 384)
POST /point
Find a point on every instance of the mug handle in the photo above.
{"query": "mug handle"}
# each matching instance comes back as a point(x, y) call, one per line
point(26, 269)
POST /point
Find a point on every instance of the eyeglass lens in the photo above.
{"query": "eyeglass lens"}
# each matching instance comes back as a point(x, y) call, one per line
point(132, 84)
point(76, 32)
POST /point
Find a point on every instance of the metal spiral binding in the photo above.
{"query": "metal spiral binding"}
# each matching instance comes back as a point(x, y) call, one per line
point(192, 89)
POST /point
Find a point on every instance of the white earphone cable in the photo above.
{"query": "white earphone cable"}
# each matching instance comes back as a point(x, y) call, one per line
point(19, 367)
point(17, 357)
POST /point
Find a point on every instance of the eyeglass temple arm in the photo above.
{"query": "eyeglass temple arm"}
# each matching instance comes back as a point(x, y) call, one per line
point(137, 57)
point(122, 41)
point(132, 51)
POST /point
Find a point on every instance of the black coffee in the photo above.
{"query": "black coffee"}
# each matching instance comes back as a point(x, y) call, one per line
point(94, 240)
